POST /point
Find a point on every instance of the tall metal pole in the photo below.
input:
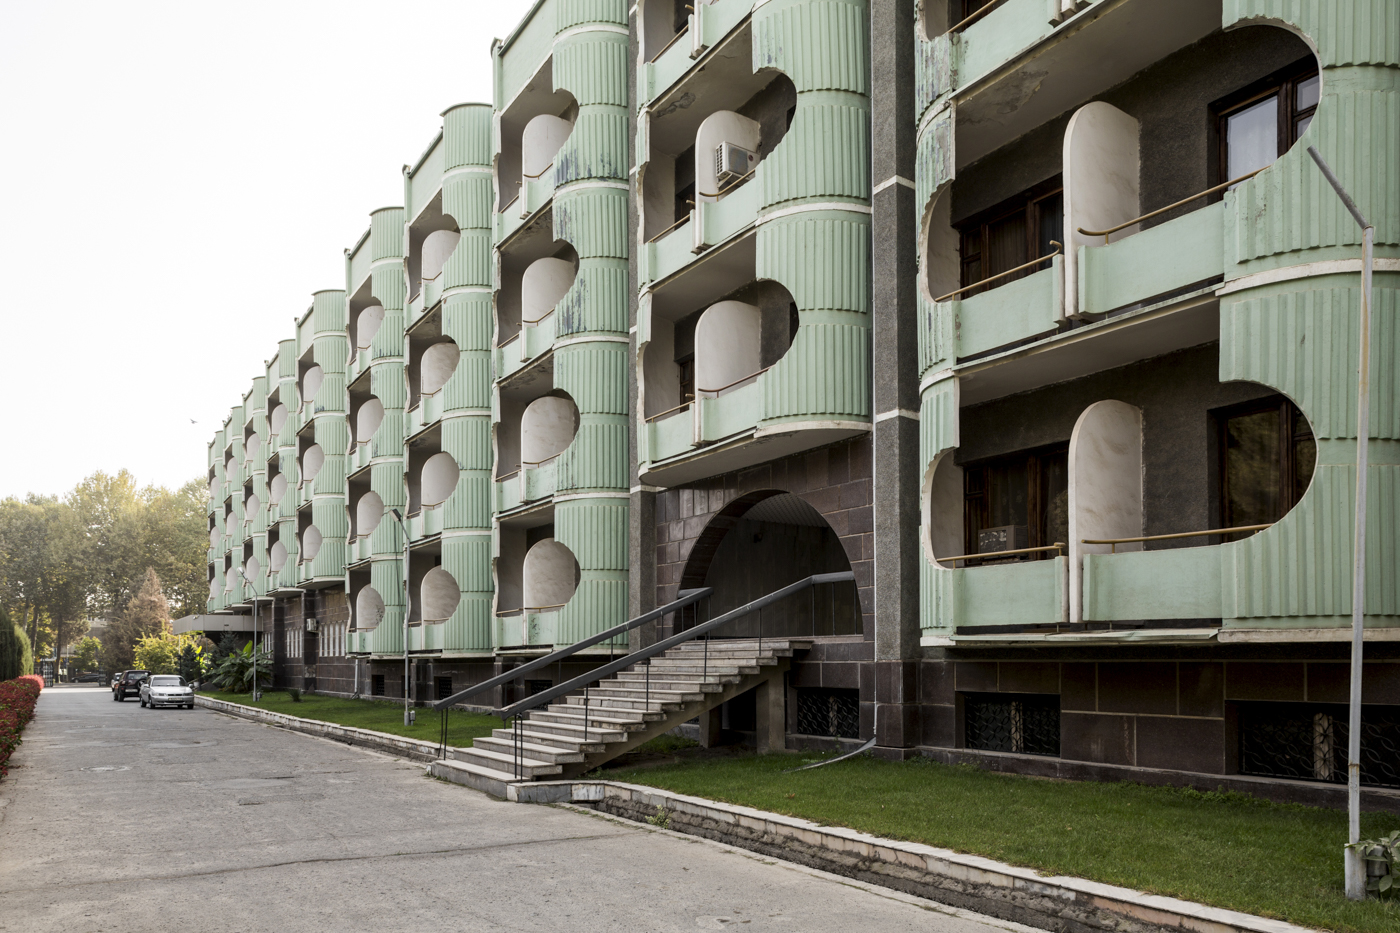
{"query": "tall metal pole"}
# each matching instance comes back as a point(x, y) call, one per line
point(244, 574)
point(1355, 865)
point(398, 517)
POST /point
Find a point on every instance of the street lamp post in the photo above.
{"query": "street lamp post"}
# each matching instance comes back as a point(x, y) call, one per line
point(244, 574)
point(398, 517)
point(1355, 866)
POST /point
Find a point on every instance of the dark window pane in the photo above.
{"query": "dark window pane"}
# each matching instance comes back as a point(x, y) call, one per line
point(1301, 127)
point(1050, 216)
point(1252, 469)
point(1308, 91)
point(1006, 244)
point(1055, 475)
point(1251, 137)
point(1006, 490)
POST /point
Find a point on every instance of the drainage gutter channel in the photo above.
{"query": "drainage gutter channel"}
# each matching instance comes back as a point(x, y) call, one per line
point(1008, 892)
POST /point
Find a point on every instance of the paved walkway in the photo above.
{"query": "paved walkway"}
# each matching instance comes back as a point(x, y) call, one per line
point(120, 818)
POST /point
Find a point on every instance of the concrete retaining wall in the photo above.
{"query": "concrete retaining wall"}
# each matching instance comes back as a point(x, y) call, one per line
point(395, 745)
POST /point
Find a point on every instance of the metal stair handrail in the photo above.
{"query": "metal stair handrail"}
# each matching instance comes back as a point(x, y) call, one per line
point(687, 597)
point(666, 644)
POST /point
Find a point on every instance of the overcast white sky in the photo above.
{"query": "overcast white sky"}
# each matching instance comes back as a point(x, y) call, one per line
point(176, 179)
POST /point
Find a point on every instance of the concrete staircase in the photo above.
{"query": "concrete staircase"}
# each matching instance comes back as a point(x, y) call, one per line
point(561, 741)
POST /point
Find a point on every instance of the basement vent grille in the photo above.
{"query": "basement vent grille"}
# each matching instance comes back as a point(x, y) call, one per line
point(833, 713)
point(444, 687)
point(1027, 724)
point(1308, 742)
point(376, 685)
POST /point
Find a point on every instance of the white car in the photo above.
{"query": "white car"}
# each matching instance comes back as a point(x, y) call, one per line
point(166, 690)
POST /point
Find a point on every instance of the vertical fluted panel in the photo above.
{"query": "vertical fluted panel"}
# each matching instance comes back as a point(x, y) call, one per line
point(468, 440)
point(938, 420)
point(823, 261)
point(592, 66)
point(468, 559)
point(597, 301)
point(933, 71)
point(595, 530)
point(466, 136)
point(1357, 32)
point(386, 234)
point(825, 372)
point(593, 221)
point(597, 458)
point(597, 147)
point(571, 13)
point(386, 576)
point(594, 375)
point(820, 44)
point(826, 153)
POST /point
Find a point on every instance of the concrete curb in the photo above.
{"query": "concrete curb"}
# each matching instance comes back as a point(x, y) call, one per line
point(967, 881)
point(395, 745)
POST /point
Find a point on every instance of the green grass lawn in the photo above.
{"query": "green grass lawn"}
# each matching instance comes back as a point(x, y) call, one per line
point(1229, 850)
point(379, 715)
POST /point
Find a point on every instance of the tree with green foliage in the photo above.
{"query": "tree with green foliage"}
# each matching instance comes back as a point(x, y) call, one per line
point(15, 655)
point(85, 654)
point(161, 653)
point(235, 672)
point(146, 614)
point(191, 663)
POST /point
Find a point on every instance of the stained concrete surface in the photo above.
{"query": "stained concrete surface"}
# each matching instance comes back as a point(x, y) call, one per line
point(119, 818)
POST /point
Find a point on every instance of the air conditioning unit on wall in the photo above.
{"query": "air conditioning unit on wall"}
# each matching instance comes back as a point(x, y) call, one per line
point(733, 162)
point(313, 625)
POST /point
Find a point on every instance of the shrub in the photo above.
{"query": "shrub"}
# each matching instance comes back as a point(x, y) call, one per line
point(235, 672)
point(17, 700)
point(16, 658)
point(295, 694)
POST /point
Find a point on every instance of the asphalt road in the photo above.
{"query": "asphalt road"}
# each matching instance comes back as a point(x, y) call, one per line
point(119, 818)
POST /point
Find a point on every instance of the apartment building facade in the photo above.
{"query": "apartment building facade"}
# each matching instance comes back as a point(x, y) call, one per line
point(1034, 315)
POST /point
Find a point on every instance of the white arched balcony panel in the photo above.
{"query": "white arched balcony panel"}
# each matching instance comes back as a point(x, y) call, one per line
point(277, 557)
point(1101, 165)
point(230, 469)
point(727, 345)
point(1105, 487)
point(544, 283)
point(943, 509)
point(369, 512)
point(230, 579)
point(252, 568)
point(251, 447)
point(549, 576)
point(214, 535)
point(251, 506)
point(277, 418)
point(437, 246)
point(546, 428)
point(540, 142)
point(368, 419)
point(941, 271)
point(277, 488)
point(369, 608)
point(367, 325)
point(231, 524)
point(438, 595)
point(310, 542)
point(311, 384)
point(214, 588)
point(439, 363)
point(719, 128)
point(439, 478)
point(312, 461)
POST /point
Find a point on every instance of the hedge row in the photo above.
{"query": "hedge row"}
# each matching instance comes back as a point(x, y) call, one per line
point(17, 700)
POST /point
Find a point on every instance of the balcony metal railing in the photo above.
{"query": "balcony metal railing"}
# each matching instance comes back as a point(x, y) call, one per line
point(1059, 248)
point(670, 411)
point(1057, 546)
point(731, 385)
point(674, 39)
point(1162, 210)
point(1114, 542)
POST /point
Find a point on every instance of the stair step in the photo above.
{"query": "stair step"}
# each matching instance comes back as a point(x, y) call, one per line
point(629, 691)
point(551, 754)
point(653, 710)
point(613, 712)
point(560, 742)
point(574, 731)
point(481, 777)
point(505, 762)
point(672, 685)
point(566, 717)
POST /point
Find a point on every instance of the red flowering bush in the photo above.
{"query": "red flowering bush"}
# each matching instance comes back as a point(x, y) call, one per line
point(17, 700)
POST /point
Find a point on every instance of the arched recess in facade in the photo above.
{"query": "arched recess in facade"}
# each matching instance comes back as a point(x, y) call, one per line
point(761, 542)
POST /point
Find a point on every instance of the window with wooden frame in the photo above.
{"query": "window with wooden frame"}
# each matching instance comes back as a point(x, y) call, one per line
point(1259, 123)
point(1011, 234)
point(1017, 501)
point(1267, 457)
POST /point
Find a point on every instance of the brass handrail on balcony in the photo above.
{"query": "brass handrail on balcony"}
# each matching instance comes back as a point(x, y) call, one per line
point(670, 411)
point(974, 16)
point(1162, 210)
point(1059, 248)
point(538, 463)
point(1057, 546)
point(506, 476)
point(671, 43)
point(1180, 534)
point(508, 341)
point(673, 226)
point(540, 318)
point(725, 189)
point(735, 382)
point(510, 202)
point(525, 174)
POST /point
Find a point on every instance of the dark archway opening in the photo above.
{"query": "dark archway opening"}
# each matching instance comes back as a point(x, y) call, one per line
point(759, 543)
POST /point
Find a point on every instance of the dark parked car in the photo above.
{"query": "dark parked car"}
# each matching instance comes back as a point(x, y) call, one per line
point(91, 677)
point(128, 685)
